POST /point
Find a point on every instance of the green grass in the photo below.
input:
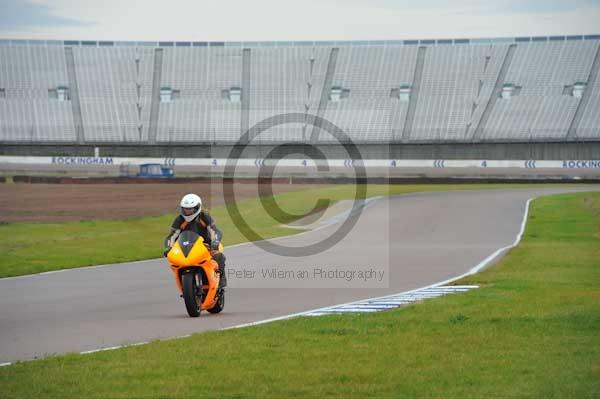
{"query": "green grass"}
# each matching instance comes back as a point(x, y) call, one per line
point(29, 248)
point(531, 331)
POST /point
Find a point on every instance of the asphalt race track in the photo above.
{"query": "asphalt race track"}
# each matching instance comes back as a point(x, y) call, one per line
point(410, 241)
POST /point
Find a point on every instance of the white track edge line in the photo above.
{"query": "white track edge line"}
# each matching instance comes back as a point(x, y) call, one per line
point(367, 202)
point(474, 270)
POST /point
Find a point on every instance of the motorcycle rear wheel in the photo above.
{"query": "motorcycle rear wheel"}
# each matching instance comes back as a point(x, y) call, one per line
point(220, 303)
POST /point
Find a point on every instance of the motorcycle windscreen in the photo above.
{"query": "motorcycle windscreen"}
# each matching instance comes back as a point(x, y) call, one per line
point(187, 239)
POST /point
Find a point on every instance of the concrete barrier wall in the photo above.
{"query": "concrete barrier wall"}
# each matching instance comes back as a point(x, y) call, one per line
point(300, 164)
point(458, 151)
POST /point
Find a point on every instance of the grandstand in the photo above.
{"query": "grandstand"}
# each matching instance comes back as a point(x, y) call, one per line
point(540, 92)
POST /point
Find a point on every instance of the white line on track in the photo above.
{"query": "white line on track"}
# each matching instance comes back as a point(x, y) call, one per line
point(393, 301)
point(324, 310)
point(474, 270)
point(367, 202)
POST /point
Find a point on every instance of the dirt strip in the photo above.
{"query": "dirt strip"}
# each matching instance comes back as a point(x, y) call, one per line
point(69, 202)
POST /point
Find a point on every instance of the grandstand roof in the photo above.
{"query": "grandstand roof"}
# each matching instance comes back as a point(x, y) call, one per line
point(94, 43)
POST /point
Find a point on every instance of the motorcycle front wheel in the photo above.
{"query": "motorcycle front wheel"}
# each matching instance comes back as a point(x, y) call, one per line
point(192, 294)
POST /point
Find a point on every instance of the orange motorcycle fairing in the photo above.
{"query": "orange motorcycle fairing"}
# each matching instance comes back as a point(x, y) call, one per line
point(190, 255)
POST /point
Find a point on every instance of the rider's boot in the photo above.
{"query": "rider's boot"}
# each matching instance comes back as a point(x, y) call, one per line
point(220, 259)
point(223, 280)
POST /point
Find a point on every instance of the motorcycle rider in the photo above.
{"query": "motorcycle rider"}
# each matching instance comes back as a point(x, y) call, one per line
point(193, 218)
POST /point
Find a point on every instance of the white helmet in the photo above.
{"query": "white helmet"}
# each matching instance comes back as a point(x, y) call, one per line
point(191, 205)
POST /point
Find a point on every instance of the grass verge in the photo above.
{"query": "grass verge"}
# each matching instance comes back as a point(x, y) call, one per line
point(29, 248)
point(530, 331)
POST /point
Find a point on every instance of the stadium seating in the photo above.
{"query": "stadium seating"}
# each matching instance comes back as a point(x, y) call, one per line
point(285, 80)
point(200, 113)
point(370, 73)
point(220, 89)
point(541, 111)
point(26, 111)
point(107, 79)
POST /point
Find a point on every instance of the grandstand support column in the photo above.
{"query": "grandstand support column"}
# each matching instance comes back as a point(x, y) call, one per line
point(333, 54)
point(155, 104)
point(585, 99)
point(495, 93)
point(414, 95)
point(74, 93)
point(245, 114)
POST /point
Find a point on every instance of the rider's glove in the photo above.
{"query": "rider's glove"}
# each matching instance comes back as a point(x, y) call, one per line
point(214, 245)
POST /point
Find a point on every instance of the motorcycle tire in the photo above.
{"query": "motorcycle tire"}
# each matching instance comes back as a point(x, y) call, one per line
point(219, 305)
point(190, 294)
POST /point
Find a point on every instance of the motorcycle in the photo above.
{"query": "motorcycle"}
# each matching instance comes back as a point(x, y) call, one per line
point(196, 274)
